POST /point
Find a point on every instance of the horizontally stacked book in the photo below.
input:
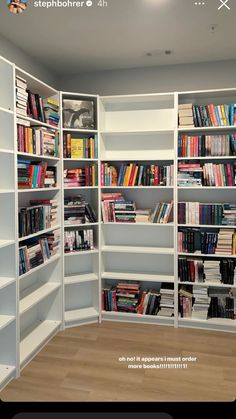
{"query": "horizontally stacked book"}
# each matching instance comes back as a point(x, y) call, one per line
point(115, 208)
point(208, 174)
point(35, 175)
point(80, 177)
point(78, 211)
point(40, 141)
point(210, 115)
point(134, 174)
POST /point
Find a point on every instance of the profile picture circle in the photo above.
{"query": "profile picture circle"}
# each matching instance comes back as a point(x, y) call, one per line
point(17, 6)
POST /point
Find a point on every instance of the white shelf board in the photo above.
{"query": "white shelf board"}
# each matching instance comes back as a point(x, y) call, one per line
point(5, 320)
point(210, 188)
point(79, 187)
point(161, 131)
point(34, 294)
point(150, 158)
point(133, 276)
point(48, 262)
point(207, 129)
point(139, 224)
point(6, 151)
point(209, 158)
point(38, 190)
point(207, 284)
point(6, 110)
point(35, 338)
point(207, 255)
point(207, 226)
point(80, 278)
point(80, 225)
point(87, 131)
point(6, 191)
point(79, 160)
point(35, 122)
point(80, 314)
point(37, 156)
point(82, 252)
point(138, 249)
point(5, 243)
point(214, 321)
point(5, 281)
point(137, 187)
point(7, 372)
point(47, 230)
point(149, 318)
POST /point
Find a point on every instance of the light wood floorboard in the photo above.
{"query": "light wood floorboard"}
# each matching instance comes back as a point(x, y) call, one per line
point(81, 364)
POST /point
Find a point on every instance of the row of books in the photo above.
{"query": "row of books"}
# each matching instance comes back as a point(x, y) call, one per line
point(78, 240)
point(34, 175)
point(208, 214)
point(207, 115)
point(78, 211)
point(208, 174)
point(84, 176)
point(194, 240)
point(208, 271)
point(133, 174)
point(206, 145)
point(40, 141)
point(41, 215)
point(36, 251)
point(129, 298)
point(80, 148)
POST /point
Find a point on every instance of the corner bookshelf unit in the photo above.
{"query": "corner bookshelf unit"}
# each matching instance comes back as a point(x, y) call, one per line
point(81, 267)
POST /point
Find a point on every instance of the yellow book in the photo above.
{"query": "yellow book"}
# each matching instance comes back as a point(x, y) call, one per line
point(127, 174)
point(223, 114)
point(77, 148)
point(31, 150)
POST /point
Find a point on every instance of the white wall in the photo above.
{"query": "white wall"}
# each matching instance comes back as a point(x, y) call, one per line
point(221, 74)
point(16, 55)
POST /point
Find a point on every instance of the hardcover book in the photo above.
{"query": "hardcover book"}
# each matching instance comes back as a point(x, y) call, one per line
point(78, 114)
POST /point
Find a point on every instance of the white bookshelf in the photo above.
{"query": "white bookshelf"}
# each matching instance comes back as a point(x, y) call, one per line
point(82, 268)
point(138, 128)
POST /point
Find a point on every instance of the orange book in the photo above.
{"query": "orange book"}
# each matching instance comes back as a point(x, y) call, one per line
point(135, 176)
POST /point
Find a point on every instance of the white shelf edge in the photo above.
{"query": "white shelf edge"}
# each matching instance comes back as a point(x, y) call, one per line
point(210, 188)
point(36, 122)
point(47, 230)
point(48, 262)
point(207, 255)
point(80, 314)
point(120, 314)
point(215, 128)
point(79, 187)
point(38, 156)
point(137, 187)
point(80, 278)
point(6, 151)
point(5, 281)
point(208, 158)
point(38, 190)
point(207, 226)
point(80, 225)
point(129, 276)
point(86, 131)
point(82, 252)
point(140, 224)
point(6, 110)
point(35, 295)
point(162, 131)
point(5, 320)
point(207, 284)
point(79, 160)
point(137, 249)
point(7, 372)
point(6, 191)
point(6, 243)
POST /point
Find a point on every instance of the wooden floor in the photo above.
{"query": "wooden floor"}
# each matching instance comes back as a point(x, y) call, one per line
point(82, 364)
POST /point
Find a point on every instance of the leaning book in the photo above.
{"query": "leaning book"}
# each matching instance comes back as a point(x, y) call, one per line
point(78, 114)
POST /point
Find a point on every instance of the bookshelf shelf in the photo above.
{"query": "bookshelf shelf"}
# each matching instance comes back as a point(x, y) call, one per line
point(79, 160)
point(133, 131)
point(82, 252)
point(219, 256)
point(9, 111)
point(5, 243)
point(210, 188)
point(209, 158)
point(35, 293)
point(207, 226)
point(2, 150)
point(84, 314)
point(5, 281)
point(5, 321)
point(47, 230)
point(208, 284)
point(43, 265)
point(39, 190)
point(7, 373)
point(37, 157)
point(80, 225)
point(138, 249)
point(35, 338)
point(137, 187)
point(77, 188)
point(86, 131)
point(7, 191)
point(212, 322)
point(35, 122)
point(133, 317)
point(207, 129)
point(78, 279)
point(134, 276)
point(138, 224)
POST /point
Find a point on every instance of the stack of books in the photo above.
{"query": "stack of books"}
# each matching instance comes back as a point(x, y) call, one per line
point(21, 96)
point(190, 270)
point(78, 211)
point(35, 106)
point(39, 216)
point(115, 208)
point(163, 213)
point(229, 214)
point(53, 240)
point(201, 302)
point(80, 177)
point(212, 271)
point(34, 175)
point(78, 240)
point(186, 115)
point(51, 112)
point(209, 174)
point(133, 174)
point(185, 302)
point(80, 148)
point(149, 303)
point(206, 145)
point(226, 244)
point(32, 254)
point(127, 297)
point(200, 213)
point(222, 304)
point(189, 174)
point(167, 302)
point(39, 141)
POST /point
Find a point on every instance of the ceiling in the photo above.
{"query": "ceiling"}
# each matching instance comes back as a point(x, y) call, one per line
point(71, 40)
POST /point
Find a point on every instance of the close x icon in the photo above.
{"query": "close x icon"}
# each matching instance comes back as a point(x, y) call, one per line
point(224, 3)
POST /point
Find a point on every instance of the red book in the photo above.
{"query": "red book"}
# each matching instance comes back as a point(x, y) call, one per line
point(156, 177)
